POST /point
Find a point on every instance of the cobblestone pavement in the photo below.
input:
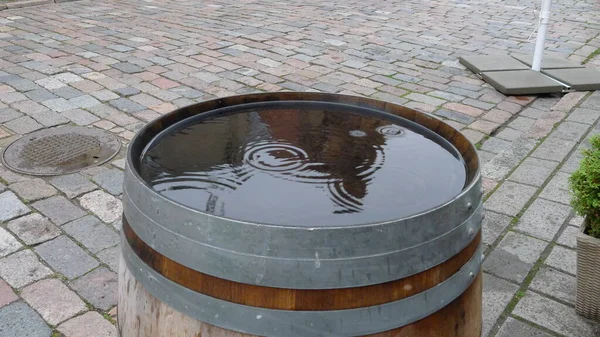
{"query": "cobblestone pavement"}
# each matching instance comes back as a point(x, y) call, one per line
point(116, 65)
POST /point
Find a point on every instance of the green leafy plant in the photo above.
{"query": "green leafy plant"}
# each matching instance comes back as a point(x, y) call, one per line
point(585, 187)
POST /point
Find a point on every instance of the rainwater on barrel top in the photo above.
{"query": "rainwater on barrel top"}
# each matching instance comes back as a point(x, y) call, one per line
point(308, 165)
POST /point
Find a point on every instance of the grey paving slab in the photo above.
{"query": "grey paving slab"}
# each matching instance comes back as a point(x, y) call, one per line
point(33, 229)
point(497, 293)
point(495, 145)
point(548, 61)
point(577, 79)
point(22, 268)
point(33, 189)
point(583, 115)
point(533, 171)
point(510, 198)
point(19, 319)
point(110, 180)
point(557, 189)
point(543, 219)
point(481, 63)
point(493, 225)
point(569, 237)
point(563, 259)
point(8, 243)
point(67, 258)
point(11, 206)
point(92, 233)
point(508, 159)
point(90, 321)
point(554, 316)
point(514, 256)
point(592, 102)
point(105, 206)
point(521, 82)
point(58, 209)
point(110, 256)
point(571, 131)
point(554, 149)
point(555, 284)
point(515, 328)
point(73, 185)
point(98, 287)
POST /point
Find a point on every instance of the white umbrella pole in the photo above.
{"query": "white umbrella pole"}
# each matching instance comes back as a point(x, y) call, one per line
point(541, 37)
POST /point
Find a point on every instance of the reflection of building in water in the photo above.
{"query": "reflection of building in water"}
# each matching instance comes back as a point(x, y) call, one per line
point(327, 140)
point(211, 156)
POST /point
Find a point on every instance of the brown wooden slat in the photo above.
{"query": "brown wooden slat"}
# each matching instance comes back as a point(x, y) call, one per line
point(296, 299)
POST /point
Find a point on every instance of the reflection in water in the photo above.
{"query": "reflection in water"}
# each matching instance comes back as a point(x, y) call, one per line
point(303, 167)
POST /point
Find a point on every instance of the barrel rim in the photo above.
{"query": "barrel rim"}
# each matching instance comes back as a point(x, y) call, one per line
point(134, 166)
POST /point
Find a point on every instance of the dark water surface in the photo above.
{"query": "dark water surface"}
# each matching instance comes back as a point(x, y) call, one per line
point(304, 165)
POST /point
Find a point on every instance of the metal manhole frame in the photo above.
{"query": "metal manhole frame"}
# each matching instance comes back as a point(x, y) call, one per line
point(108, 142)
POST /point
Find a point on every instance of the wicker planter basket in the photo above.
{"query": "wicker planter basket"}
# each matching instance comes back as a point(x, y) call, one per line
point(588, 275)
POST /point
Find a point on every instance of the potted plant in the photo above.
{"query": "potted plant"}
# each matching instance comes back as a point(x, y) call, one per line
point(585, 192)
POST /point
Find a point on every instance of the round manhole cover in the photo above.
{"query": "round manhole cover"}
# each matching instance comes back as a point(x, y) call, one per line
point(60, 151)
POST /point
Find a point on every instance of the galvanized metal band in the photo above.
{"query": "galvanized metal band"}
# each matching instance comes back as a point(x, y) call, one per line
point(300, 272)
point(285, 323)
point(299, 242)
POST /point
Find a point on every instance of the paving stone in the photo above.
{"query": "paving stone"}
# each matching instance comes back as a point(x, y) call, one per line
point(514, 256)
point(8, 243)
point(59, 209)
point(67, 92)
point(554, 316)
point(67, 77)
point(508, 159)
point(8, 114)
point(127, 67)
point(570, 131)
point(464, 109)
point(104, 95)
point(514, 328)
point(53, 300)
point(543, 219)
point(92, 233)
point(12, 97)
point(455, 116)
point(80, 117)
point(92, 321)
point(33, 229)
point(40, 95)
point(110, 256)
point(495, 145)
point(22, 268)
point(33, 189)
point(554, 149)
point(73, 185)
point(497, 293)
point(98, 287)
point(510, 198)
point(23, 125)
point(104, 205)
point(19, 320)
point(569, 237)
point(583, 115)
point(7, 295)
point(425, 99)
point(59, 105)
point(533, 171)
point(522, 123)
point(127, 91)
point(50, 118)
point(493, 225)
point(111, 181)
point(558, 189)
point(563, 259)
point(64, 256)
point(555, 284)
point(126, 105)
point(11, 206)
point(85, 101)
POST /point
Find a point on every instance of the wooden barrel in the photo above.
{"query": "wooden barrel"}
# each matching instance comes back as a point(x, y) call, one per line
point(189, 273)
